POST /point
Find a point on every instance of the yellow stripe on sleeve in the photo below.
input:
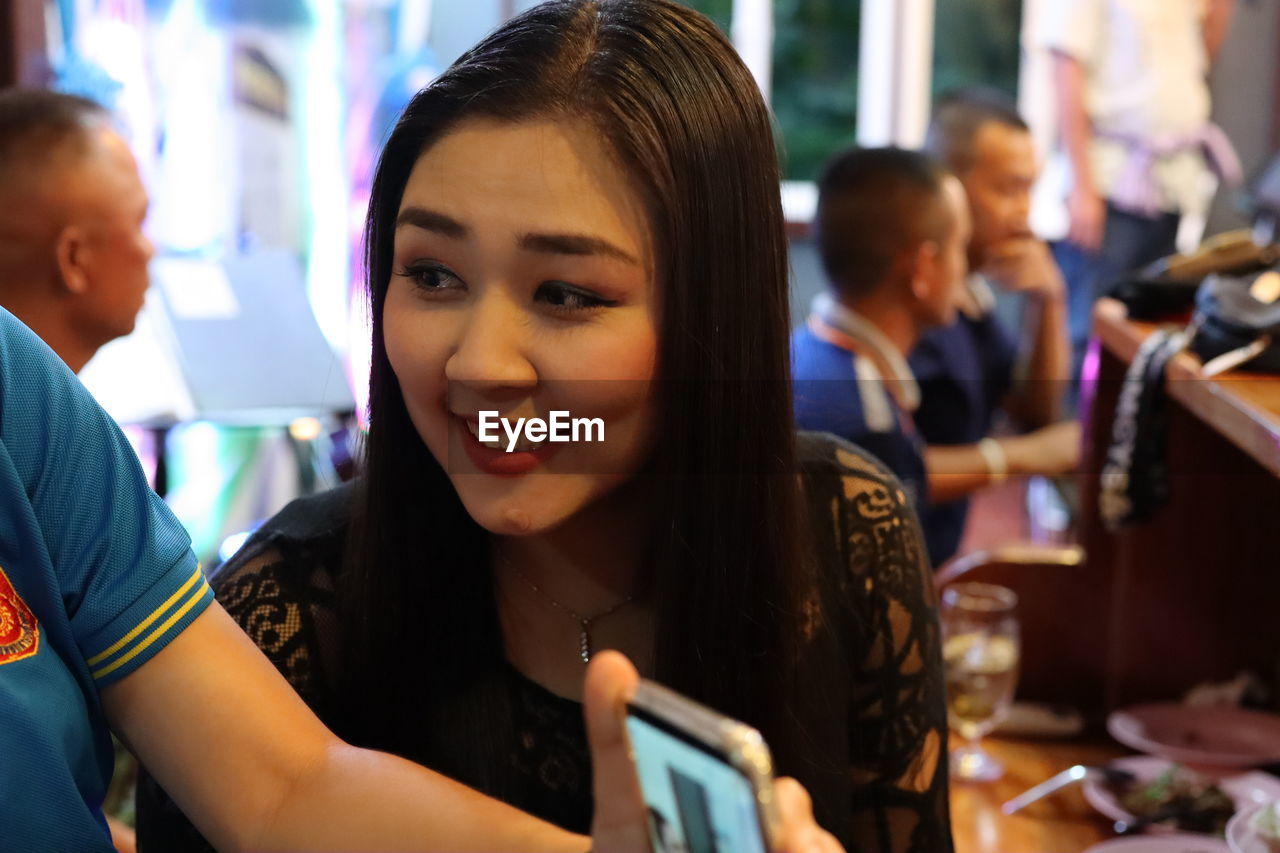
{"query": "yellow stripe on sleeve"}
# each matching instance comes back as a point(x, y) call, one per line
point(145, 623)
point(156, 634)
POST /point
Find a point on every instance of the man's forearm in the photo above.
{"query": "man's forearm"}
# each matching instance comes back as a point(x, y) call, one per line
point(1042, 376)
point(1074, 126)
point(955, 471)
point(254, 769)
point(356, 799)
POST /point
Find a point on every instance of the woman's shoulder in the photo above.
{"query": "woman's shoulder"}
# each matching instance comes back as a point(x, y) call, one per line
point(881, 610)
point(833, 466)
point(307, 535)
point(313, 516)
point(862, 509)
point(281, 589)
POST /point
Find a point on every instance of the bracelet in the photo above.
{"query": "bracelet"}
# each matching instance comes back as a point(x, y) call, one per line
point(997, 462)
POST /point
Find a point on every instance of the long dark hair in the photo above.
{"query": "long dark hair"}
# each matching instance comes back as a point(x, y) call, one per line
point(683, 115)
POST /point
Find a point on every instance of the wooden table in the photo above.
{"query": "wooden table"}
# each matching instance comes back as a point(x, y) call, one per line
point(1185, 597)
point(1061, 823)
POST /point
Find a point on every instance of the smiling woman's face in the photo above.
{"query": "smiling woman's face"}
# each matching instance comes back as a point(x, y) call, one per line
point(523, 283)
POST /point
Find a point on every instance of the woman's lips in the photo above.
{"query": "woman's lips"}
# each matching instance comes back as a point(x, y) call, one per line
point(496, 461)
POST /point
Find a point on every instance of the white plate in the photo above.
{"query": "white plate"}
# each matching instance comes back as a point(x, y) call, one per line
point(1246, 789)
point(1210, 737)
point(1162, 844)
point(1240, 835)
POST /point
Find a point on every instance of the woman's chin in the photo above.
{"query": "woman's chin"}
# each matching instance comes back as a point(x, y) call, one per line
point(512, 518)
point(524, 506)
point(513, 521)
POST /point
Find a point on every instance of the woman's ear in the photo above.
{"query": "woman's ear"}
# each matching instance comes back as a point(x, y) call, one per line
point(71, 256)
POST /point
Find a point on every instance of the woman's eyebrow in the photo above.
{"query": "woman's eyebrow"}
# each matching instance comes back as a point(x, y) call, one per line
point(575, 244)
point(558, 244)
point(431, 220)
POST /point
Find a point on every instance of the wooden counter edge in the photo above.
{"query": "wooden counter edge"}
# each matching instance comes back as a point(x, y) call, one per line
point(1242, 407)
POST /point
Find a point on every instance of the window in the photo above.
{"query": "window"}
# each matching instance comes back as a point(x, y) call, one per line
point(976, 42)
point(814, 79)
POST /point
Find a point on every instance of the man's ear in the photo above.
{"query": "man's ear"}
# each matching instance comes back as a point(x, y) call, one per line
point(924, 263)
point(71, 255)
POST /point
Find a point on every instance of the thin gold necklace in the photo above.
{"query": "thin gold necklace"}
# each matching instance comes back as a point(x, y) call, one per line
point(584, 622)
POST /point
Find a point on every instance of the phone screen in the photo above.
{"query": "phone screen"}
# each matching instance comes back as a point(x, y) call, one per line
point(698, 802)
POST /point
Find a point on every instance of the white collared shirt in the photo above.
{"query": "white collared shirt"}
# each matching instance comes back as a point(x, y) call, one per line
point(1145, 69)
point(982, 298)
point(877, 407)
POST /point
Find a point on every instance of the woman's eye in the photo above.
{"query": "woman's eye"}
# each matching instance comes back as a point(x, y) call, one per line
point(566, 297)
point(430, 277)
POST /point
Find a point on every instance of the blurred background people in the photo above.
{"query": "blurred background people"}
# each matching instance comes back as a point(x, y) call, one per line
point(73, 255)
point(893, 227)
point(973, 369)
point(1135, 142)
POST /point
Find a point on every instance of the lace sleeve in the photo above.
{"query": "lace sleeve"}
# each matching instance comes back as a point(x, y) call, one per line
point(290, 618)
point(898, 720)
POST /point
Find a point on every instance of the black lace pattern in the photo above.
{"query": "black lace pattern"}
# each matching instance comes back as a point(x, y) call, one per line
point(280, 591)
point(897, 712)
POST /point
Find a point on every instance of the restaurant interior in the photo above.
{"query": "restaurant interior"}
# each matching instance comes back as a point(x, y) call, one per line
point(1109, 627)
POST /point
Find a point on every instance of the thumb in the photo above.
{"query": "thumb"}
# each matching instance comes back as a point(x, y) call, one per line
point(619, 825)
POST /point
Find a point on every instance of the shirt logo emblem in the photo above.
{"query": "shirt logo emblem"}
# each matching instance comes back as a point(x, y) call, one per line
point(19, 631)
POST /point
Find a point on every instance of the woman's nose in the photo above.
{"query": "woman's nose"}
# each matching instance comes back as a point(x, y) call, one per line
point(491, 349)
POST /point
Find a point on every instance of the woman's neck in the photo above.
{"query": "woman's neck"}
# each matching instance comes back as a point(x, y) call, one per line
point(590, 564)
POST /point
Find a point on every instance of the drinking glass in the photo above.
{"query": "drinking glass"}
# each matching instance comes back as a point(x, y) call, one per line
point(980, 649)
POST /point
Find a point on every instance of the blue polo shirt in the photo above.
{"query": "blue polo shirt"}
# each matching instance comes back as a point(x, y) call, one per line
point(832, 393)
point(964, 371)
point(96, 576)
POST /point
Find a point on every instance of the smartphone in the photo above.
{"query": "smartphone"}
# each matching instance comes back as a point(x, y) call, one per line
point(707, 780)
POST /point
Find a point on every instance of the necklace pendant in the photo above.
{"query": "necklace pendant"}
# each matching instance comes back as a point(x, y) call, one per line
point(584, 644)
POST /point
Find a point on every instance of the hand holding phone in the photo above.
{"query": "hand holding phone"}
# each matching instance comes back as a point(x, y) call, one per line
point(707, 779)
point(624, 822)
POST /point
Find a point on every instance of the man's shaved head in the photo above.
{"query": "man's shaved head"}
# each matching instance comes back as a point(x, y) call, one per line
point(959, 115)
point(73, 255)
point(980, 136)
point(43, 135)
point(34, 123)
point(874, 204)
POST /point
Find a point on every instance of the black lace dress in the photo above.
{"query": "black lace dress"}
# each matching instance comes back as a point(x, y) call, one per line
point(874, 711)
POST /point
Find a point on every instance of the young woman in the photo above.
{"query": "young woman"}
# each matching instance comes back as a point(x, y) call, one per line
point(582, 215)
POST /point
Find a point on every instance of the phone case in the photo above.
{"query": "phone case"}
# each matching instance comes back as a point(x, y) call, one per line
point(741, 746)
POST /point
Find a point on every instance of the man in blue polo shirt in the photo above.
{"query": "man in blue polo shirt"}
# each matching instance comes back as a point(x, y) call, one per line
point(79, 609)
point(974, 368)
point(73, 252)
point(892, 226)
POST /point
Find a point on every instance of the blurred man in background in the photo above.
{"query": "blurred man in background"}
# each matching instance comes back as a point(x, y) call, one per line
point(972, 369)
point(73, 256)
point(1130, 80)
point(892, 228)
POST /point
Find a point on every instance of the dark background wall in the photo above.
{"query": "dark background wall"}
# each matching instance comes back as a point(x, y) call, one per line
point(22, 43)
point(7, 75)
